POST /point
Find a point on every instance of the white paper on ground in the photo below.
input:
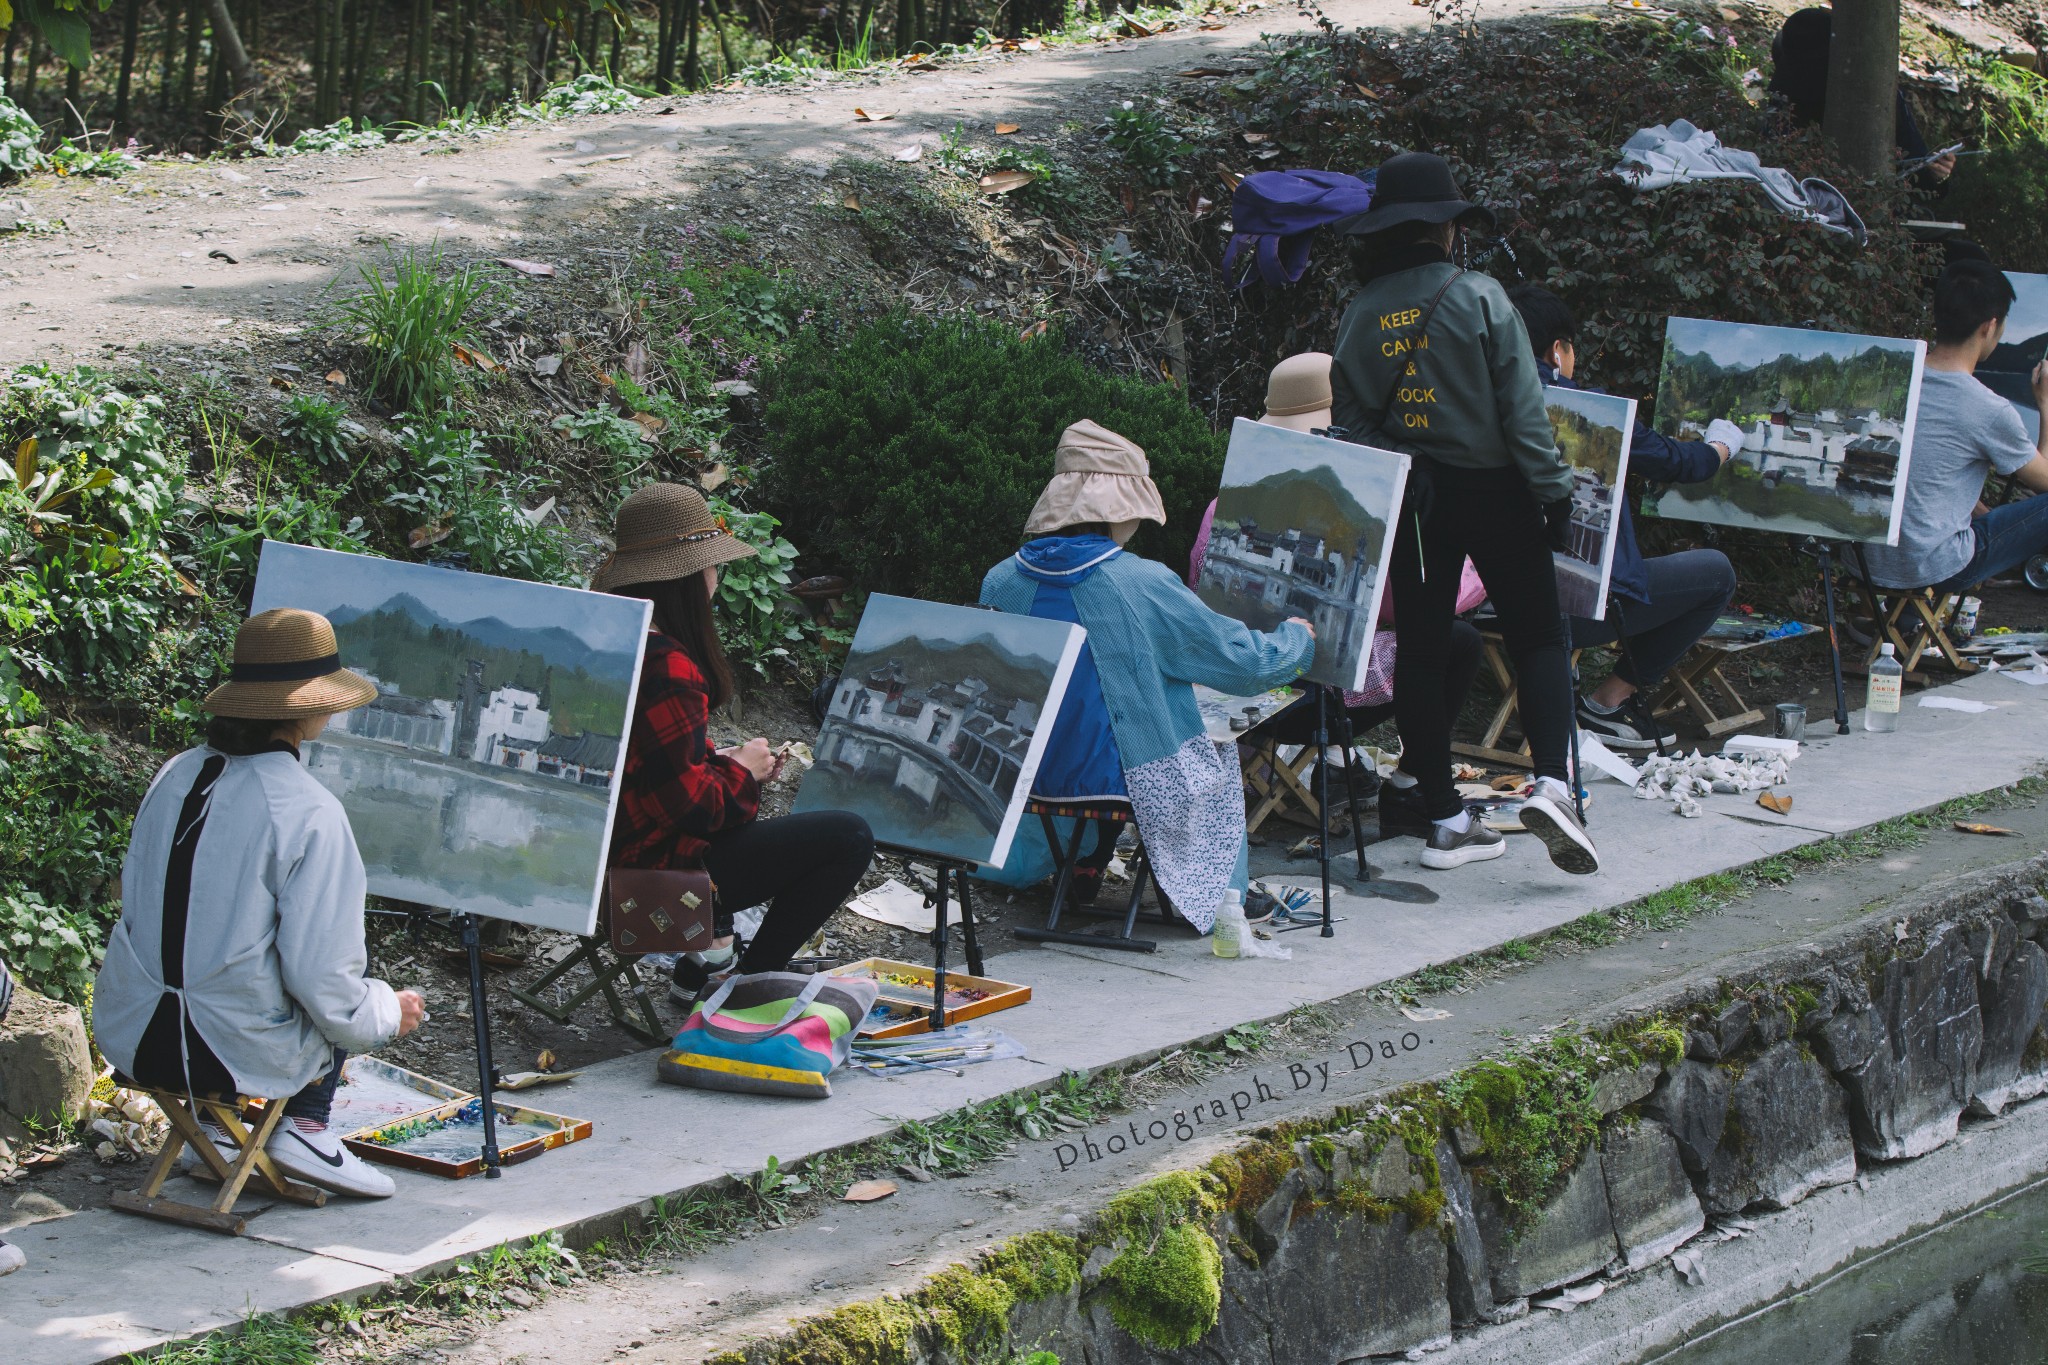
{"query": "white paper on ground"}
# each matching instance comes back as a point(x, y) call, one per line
point(1600, 759)
point(894, 903)
point(1934, 703)
point(1767, 745)
point(2037, 676)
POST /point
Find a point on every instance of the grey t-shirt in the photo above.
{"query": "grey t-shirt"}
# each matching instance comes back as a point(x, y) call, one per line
point(1964, 432)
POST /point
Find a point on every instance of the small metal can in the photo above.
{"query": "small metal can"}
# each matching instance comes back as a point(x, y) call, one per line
point(1966, 618)
point(1790, 721)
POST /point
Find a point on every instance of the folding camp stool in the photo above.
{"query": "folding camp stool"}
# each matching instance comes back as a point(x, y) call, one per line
point(1084, 813)
point(1278, 786)
point(1494, 650)
point(611, 972)
point(253, 1162)
point(1912, 620)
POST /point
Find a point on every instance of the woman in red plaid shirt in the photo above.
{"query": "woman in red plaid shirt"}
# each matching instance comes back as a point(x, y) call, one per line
point(685, 804)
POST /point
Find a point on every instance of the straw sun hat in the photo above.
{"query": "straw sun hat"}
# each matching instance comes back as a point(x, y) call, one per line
point(665, 531)
point(287, 666)
point(1298, 393)
point(1097, 475)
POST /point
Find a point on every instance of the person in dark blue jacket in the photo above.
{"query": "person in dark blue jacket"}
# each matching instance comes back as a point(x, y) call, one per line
point(1665, 603)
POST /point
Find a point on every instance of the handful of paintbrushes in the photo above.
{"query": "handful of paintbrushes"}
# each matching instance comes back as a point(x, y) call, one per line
point(946, 1050)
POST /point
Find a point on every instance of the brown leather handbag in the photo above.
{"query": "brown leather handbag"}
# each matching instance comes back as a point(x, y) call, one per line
point(660, 910)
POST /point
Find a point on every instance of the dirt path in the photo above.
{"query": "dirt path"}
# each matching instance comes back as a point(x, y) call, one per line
point(140, 261)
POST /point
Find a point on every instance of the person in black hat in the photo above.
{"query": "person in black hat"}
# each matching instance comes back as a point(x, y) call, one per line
point(1433, 360)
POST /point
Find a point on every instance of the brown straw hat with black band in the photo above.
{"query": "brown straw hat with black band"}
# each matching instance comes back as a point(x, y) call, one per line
point(286, 667)
point(665, 531)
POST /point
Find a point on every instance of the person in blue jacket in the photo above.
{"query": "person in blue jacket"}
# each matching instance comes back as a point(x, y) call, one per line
point(1128, 725)
point(1665, 603)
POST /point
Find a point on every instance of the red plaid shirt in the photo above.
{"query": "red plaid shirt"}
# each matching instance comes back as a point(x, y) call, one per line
point(677, 793)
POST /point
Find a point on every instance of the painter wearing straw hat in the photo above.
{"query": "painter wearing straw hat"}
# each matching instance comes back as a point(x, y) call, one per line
point(684, 804)
point(238, 963)
point(1128, 726)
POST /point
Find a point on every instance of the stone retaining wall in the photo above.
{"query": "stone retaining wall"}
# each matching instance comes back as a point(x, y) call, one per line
point(1378, 1229)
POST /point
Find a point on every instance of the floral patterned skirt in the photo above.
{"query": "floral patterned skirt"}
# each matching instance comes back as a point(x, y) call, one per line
point(1190, 809)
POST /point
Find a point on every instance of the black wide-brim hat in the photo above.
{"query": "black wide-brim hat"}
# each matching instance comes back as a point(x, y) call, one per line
point(1414, 187)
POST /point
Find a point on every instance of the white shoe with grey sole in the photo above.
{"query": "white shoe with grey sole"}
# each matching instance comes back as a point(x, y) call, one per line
point(1557, 825)
point(11, 1258)
point(318, 1158)
point(196, 1168)
point(1444, 849)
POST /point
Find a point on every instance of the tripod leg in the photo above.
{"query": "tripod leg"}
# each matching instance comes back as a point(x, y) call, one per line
point(1827, 583)
point(487, 1073)
point(1323, 802)
point(1350, 742)
point(1571, 673)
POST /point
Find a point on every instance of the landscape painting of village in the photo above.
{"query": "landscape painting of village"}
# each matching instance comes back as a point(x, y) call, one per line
point(1593, 432)
point(484, 775)
point(1301, 530)
point(2009, 370)
point(938, 722)
point(1827, 421)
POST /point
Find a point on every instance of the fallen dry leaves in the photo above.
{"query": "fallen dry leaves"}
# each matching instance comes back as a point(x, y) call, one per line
point(1006, 182)
point(1771, 801)
point(538, 269)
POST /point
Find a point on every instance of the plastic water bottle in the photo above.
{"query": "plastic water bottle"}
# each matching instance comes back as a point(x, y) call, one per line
point(1227, 938)
point(1881, 702)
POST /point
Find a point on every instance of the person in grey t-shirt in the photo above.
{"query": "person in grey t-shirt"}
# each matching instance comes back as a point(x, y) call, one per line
point(1948, 538)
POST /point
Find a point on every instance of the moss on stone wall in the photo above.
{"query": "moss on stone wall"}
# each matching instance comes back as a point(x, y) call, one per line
point(1165, 1283)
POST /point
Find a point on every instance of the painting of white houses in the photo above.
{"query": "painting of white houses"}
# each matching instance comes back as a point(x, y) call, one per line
point(483, 775)
point(1593, 431)
point(2009, 370)
point(1827, 427)
point(937, 725)
point(1301, 530)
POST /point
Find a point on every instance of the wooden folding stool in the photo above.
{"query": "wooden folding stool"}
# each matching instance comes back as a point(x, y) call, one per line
point(185, 1112)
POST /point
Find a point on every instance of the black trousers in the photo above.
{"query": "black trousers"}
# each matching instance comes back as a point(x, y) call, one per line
point(1489, 515)
point(1688, 592)
point(803, 866)
point(1297, 724)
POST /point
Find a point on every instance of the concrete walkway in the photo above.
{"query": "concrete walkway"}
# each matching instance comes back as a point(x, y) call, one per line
point(99, 1284)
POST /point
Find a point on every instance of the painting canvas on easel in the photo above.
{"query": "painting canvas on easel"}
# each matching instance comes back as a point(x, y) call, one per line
point(936, 728)
point(1827, 421)
point(485, 775)
point(1593, 433)
point(2009, 370)
point(1301, 530)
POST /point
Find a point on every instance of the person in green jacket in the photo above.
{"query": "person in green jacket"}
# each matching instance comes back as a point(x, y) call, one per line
point(1434, 361)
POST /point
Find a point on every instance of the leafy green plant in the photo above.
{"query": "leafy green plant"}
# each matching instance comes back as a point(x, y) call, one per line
point(412, 325)
point(1140, 135)
point(21, 141)
point(464, 502)
point(756, 612)
point(53, 952)
point(589, 93)
point(773, 1189)
point(345, 136)
point(907, 452)
point(107, 163)
point(66, 803)
point(317, 429)
point(623, 440)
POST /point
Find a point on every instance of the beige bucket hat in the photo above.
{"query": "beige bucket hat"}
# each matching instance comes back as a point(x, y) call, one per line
point(1298, 392)
point(1097, 475)
point(287, 666)
point(665, 531)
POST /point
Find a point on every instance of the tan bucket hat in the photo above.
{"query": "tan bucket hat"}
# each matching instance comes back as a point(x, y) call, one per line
point(665, 531)
point(287, 666)
point(1097, 475)
point(1298, 392)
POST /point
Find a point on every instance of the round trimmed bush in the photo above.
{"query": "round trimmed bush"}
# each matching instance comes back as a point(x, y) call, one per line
point(906, 452)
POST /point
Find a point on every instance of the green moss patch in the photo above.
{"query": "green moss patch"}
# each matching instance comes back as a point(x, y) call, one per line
point(1165, 1286)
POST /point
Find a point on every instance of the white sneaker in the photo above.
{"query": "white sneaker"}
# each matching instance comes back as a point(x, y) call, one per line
point(1554, 822)
point(318, 1158)
point(11, 1258)
point(197, 1169)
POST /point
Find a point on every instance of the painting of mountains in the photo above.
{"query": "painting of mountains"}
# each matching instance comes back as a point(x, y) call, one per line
point(1301, 530)
point(1593, 431)
point(485, 774)
point(2008, 371)
point(1827, 421)
point(937, 724)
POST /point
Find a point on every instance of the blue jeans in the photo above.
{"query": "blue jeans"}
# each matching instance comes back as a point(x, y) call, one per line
point(2007, 537)
point(316, 1101)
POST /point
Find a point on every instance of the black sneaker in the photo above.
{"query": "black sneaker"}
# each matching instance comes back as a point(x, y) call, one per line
point(1557, 825)
point(1475, 844)
point(1402, 814)
point(1629, 726)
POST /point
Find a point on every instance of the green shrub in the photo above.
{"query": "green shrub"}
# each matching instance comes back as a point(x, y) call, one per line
point(52, 952)
point(66, 802)
point(410, 325)
point(907, 452)
point(318, 430)
point(21, 141)
point(465, 502)
point(756, 612)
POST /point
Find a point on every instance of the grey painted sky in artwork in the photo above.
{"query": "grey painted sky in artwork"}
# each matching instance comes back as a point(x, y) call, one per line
point(1747, 344)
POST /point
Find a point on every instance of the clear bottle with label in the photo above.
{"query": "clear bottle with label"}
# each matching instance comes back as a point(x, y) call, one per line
point(1881, 703)
point(1227, 938)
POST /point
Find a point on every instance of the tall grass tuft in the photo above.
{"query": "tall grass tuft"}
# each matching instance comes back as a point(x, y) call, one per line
point(410, 325)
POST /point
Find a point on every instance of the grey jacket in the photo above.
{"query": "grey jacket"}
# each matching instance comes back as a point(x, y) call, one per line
point(274, 960)
point(1469, 394)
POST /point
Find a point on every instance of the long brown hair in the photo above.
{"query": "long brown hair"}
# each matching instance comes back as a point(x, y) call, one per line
point(682, 611)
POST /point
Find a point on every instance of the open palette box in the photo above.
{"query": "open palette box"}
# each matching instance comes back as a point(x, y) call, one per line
point(905, 1004)
point(402, 1118)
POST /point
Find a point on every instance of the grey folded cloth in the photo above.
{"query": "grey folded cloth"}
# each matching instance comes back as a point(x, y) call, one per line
point(1671, 154)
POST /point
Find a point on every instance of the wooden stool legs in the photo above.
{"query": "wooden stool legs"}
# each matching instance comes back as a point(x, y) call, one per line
point(250, 1161)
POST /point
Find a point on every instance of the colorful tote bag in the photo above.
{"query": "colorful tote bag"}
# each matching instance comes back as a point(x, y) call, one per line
point(771, 1033)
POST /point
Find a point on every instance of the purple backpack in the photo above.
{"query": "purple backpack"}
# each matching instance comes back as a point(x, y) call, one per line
point(1272, 213)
